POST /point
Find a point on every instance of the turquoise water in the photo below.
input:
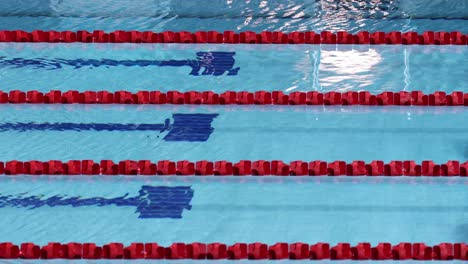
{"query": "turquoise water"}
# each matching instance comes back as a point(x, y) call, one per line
point(285, 68)
point(256, 15)
point(254, 133)
point(233, 209)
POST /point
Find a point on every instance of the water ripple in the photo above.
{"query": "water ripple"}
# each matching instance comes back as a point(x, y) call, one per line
point(286, 15)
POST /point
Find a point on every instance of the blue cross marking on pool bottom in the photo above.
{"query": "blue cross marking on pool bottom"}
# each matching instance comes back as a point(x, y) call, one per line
point(214, 63)
point(151, 201)
point(186, 127)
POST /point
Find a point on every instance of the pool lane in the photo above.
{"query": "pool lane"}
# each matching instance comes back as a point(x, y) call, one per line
point(178, 15)
point(201, 67)
point(229, 209)
point(233, 133)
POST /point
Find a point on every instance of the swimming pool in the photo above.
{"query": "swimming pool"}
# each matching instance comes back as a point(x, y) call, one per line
point(242, 67)
point(166, 209)
point(267, 209)
point(220, 15)
point(252, 132)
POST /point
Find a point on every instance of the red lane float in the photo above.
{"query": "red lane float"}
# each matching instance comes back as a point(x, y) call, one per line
point(245, 37)
point(241, 168)
point(403, 98)
point(252, 251)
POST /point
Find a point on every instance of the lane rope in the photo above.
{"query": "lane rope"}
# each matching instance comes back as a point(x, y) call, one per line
point(245, 37)
point(241, 168)
point(416, 98)
point(253, 251)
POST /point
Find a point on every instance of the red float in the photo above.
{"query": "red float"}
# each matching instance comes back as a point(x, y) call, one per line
point(422, 252)
point(253, 251)
point(460, 251)
point(108, 167)
point(204, 168)
point(129, 167)
point(91, 251)
point(394, 168)
point(377, 38)
point(279, 168)
point(298, 168)
point(244, 167)
point(361, 252)
point(70, 97)
point(104, 97)
point(9, 251)
point(17, 97)
point(278, 251)
point(175, 97)
point(166, 167)
point(320, 251)
point(53, 167)
point(299, 251)
point(438, 98)
point(185, 167)
point(216, 251)
point(443, 251)
point(154, 251)
point(257, 251)
point(52, 251)
point(134, 251)
point(34, 167)
point(297, 98)
point(318, 168)
point(336, 168)
point(343, 251)
point(72, 251)
point(261, 167)
point(72, 167)
point(176, 251)
point(237, 251)
point(145, 167)
point(88, 167)
point(30, 251)
point(223, 168)
point(356, 168)
point(410, 168)
point(383, 251)
point(196, 251)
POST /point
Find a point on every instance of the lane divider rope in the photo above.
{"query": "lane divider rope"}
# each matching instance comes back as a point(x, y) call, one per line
point(254, 251)
point(241, 168)
point(417, 98)
point(231, 37)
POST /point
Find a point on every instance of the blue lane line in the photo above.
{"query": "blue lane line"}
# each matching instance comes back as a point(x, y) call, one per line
point(151, 202)
point(186, 127)
point(212, 63)
point(81, 127)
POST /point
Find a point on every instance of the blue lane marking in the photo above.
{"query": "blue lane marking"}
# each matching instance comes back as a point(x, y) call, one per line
point(151, 202)
point(186, 127)
point(213, 63)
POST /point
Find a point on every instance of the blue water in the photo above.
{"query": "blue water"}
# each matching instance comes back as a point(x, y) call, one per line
point(233, 209)
point(256, 15)
point(204, 67)
point(267, 209)
point(251, 132)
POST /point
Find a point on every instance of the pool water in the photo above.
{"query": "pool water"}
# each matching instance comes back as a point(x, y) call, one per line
point(234, 133)
point(248, 209)
point(269, 209)
point(240, 67)
point(220, 15)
